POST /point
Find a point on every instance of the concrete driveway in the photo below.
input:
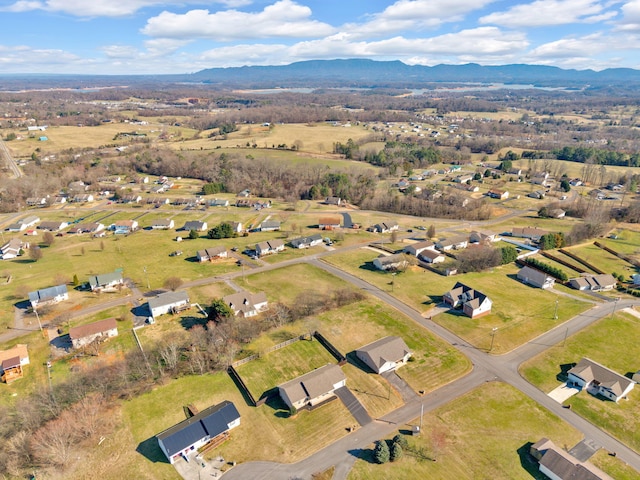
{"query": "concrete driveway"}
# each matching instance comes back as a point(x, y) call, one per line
point(563, 392)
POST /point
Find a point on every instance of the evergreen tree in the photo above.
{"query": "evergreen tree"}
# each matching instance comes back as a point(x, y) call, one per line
point(396, 452)
point(381, 452)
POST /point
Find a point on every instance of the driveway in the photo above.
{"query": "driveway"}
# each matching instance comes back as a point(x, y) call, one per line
point(354, 406)
point(563, 392)
point(400, 385)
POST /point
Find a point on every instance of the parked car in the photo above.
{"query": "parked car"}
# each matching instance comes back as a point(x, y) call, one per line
point(175, 253)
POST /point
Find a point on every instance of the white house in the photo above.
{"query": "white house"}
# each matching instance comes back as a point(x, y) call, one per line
point(417, 248)
point(208, 426)
point(96, 331)
point(48, 296)
point(599, 380)
point(535, 277)
point(271, 246)
point(474, 303)
point(106, 281)
point(431, 256)
point(246, 304)
point(306, 242)
point(168, 302)
point(558, 464)
point(385, 354)
point(210, 254)
point(13, 248)
point(125, 227)
point(163, 224)
point(595, 283)
point(396, 261)
point(196, 225)
point(312, 388)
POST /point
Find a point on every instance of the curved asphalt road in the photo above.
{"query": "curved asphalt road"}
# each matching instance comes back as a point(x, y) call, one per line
point(344, 452)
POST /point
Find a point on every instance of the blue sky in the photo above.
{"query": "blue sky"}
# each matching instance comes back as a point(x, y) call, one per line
point(160, 36)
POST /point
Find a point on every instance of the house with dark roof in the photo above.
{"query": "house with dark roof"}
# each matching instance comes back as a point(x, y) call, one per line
point(535, 278)
point(474, 303)
point(385, 227)
point(329, 223)
point(268, 247)
point(48, 296)
point(595, 283)
point(168, 302)
point(396, 261)
point(306, 242)
point(210, 254)
point(431, 256)
point(385, 354)
point(558, 464)
point(246, 304)
point(312, 388)
point(497, 193)
point(53, 226)
point(163, 224)
point(455, 243)
point(599, 380)
point(211, 425)
point(86, 228)
point(533, 233)
point(269, 226)
point(12, 361)
point(333, 201)
point(92, 332)
point(106, 281)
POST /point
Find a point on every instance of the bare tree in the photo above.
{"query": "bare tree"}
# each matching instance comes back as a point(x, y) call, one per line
point(47, 239)
point(35, 253)
point(173, 283)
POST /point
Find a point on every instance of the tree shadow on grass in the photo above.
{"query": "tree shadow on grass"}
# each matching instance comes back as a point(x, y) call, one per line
point(563, 376)
point(528, 463)
point(365, 454)
point(369, 266)
point(189, 322)
point(150, 449)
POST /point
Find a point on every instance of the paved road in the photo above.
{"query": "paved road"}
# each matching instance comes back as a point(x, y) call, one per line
point(9, 161)
point(485, 368)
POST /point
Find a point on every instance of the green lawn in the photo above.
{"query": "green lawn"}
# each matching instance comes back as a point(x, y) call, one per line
point(602, 342)
point(274, 368)
point(628, 242)
point(484, 434)
point(599, 258)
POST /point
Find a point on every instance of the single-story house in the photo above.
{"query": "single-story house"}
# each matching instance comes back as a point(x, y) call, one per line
point(269, 226)
point(86, 228)
point(106, 281)
point(329, 223)
point(306, 242)
point(37, 201)
point(557, 213)
point(236, 227)
point(23, 224)
point(464, 178)
point(168, 302)
point(533, 233)
point(431, 256)
point(210, 425)
point(124, 227)
point(595, 283)
point(83, 198)
point(244, 193)
point(395, 261)
point(246, 304)
point(48, 295)
point(196, 225)
point(244, 202)
point(599, 380)
point(385, 354)
point(417, 248)
point(497, 193)
point(333, 201)
point(96, 331)
point(312, 388)
point(474, 303)
point(541, 178)
point(271, 246)
point(12, 361)
point(385, 227)
point(558, 464)
point(455, 243)
point(534, 277)
point(210, 254)
point(219, 202)
point(483, 237)
point(53, 226)
point(163, 224)
point(13, 248)
point(132, 198)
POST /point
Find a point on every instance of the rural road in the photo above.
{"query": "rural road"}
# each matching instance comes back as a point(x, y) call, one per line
point(343, 452)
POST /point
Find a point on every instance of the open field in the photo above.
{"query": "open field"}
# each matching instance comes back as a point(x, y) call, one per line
point(484, 434)
point(602, 259)
point(628, 243)
point(602, 342)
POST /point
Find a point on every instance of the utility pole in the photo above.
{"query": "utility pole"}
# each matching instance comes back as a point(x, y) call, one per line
point(147, 277)
point(493, 336)
point(555, 313)
point(614, 307)
point(38, 318)
point(421, 415)
point(566, 333)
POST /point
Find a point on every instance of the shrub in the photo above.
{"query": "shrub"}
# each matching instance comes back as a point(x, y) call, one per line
point(546, 268)
point(401, 440)
point(381, 452)
point(396, 452)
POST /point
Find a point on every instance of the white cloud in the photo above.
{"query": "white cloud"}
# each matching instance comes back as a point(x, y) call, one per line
point(103, 8)
point(582, 47)
point(630, 16)
point(282, 19)
point(549, 12)
point(416, 15)
point(237, 55)
point(24, 59)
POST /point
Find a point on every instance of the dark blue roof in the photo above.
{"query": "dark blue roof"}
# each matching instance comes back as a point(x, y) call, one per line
point(210, 422)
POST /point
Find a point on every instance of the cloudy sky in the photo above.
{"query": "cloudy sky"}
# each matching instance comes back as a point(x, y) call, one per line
point(164, 36)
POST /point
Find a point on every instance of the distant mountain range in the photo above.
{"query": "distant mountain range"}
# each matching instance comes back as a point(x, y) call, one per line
point(395, 74)
point(353, 73)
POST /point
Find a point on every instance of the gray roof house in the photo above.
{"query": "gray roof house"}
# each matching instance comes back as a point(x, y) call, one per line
point(209, 425)
point(395, 261)
point(313, 387)
point(385, 354)
point(473, 302)
point(594, 283)
point(246, 304)
point(417, 248)
point(168, 302)
point(535, 277)
point(270, 226)
point(213, 253)
point(306, 242)
point(271, 246)
point(559, 464)
point(599, 380)
point(48, 295)
point(196, 225)
point(105, 281)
